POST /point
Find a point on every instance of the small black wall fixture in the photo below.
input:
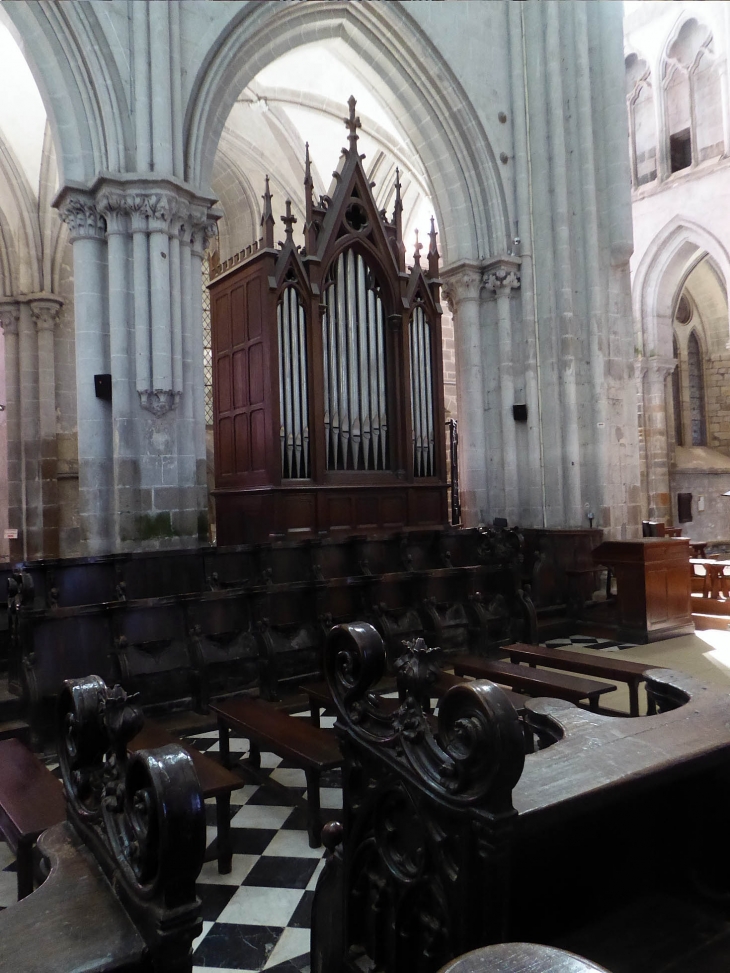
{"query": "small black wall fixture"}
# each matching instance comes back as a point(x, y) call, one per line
point(103, 387)
point(519, 412)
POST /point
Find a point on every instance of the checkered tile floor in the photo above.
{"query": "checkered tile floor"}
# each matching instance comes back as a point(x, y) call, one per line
point(258, 916)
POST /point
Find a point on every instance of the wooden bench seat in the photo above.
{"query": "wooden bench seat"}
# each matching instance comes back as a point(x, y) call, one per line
point(320, 696)
point(307, 747)
point(632, 673)
point(31, 801)
point(215, 781)
point(533, 682)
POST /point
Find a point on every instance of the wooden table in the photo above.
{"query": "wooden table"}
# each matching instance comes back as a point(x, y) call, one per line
point(653, 586)
point(31, 801)
point(719, 582)
point(632, 673)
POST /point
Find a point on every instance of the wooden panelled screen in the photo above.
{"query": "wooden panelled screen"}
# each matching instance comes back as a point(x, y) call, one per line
point(328, 380)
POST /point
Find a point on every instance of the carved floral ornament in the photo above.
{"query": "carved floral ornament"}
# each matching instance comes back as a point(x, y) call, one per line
point(466, 284)
point(9, 317)
point(45, 314)
point(475, 755)
point(136, 210)
point(142, 813)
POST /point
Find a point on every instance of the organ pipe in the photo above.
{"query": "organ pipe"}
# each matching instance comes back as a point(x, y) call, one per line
point(353, 338)
point(422, 410)
point(293, 391)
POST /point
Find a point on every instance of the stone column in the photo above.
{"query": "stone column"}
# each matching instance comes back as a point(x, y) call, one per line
point(462, 286)
point(44, 312)
point(501, 281)
point(114, 206)
point(656, 440)
point(9, 318)
point(202, 230)
point(95, 438)
point(30, 445)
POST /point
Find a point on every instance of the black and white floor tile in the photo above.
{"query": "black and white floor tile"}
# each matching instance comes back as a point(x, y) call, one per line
point(258, 916)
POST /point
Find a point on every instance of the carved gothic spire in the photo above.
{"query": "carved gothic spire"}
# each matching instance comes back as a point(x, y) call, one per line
point(433, 254)
point(398, 220)
point(288, 220)
point(267, 218)
point(352, 123)
point(310, 240)
point(417, 251)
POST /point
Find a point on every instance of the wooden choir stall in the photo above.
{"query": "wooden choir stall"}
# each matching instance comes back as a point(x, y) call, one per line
point(327, 364)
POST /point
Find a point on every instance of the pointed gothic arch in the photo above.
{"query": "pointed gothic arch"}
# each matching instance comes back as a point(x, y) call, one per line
point(659, 278)
point(406, 69)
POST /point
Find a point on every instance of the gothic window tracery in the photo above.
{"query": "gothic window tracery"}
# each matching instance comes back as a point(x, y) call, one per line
point(642, 123)
point(692, 97)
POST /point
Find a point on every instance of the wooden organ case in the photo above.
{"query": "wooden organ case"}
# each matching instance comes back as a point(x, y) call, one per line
point(327, 363)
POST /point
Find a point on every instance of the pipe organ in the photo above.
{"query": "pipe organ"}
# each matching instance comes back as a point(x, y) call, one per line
point(328, 401)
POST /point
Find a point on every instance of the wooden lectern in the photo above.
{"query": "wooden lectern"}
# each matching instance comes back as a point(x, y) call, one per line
point(653, 585)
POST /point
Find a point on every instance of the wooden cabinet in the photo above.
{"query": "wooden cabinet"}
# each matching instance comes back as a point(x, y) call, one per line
point(653, 585)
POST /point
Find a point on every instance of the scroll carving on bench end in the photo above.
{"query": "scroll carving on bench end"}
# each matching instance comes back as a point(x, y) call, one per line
point(418, 871)
point(142, 814)
point(477, 747)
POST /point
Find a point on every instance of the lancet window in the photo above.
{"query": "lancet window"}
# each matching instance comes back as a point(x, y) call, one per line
point(693, 97)
point(698, 424)
point(642, 122)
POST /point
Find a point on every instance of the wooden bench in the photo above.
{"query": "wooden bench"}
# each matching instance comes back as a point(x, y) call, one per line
point(308, 747)
point(532, 682)
point(320, 696)
point(632, 673)
point(31, 801)
point(215, 781)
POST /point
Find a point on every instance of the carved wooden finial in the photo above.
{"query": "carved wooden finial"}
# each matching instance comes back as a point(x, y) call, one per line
point(417, 251)
point(398, 208)
point(288, 220)
point(398, 220)
point(267, 217)
point(308, 182)
point(352, 122)
point(433, 253)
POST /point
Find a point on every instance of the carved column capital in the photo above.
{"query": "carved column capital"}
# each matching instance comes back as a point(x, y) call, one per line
point(114, 207)
point(45, 312)
point(501, 280)
point(460, 285)
point(204, 231)
point(9, 317)
point(81, 215)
